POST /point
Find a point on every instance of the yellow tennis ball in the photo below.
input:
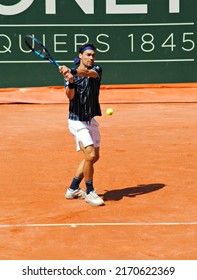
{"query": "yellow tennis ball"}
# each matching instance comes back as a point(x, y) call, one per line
point(109, 111)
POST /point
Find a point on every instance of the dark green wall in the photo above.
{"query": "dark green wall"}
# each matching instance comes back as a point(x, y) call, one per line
point(154, 47)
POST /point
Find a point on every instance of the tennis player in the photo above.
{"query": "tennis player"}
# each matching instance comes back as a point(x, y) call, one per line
point(82, 85)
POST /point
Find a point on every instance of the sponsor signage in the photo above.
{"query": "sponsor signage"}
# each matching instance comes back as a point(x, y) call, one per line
point(138, 41)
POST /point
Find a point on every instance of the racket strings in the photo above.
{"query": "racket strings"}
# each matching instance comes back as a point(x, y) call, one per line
point(40, 50)
point(37, 47)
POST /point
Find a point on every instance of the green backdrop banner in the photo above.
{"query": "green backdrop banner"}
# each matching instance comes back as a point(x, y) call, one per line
point(138, 41)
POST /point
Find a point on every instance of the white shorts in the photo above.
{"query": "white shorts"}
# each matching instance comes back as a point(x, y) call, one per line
point(86, 133)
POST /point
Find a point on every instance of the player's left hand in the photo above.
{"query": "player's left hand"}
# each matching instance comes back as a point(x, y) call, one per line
point(69, 77)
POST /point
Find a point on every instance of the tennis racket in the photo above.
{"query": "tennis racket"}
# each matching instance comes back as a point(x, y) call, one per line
point(39, 49)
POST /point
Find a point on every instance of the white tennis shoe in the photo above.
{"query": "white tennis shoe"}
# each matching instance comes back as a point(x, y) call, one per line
point(93, 199)
point(73, 194)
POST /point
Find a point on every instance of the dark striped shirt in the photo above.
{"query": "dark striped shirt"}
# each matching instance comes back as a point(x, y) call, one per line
point(85, 104)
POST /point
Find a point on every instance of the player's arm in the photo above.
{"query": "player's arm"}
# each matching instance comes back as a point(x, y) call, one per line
point(85, 73)
point(91, 73)
point(70, 87)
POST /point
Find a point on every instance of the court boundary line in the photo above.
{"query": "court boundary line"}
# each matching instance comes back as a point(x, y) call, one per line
point(97, 24)
point(97, 224)
point(105, 61)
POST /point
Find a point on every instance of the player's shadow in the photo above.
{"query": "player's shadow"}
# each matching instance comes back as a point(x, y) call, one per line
point(131, 191)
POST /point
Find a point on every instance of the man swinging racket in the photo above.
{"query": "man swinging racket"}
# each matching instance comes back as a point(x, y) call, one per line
point(82, 85)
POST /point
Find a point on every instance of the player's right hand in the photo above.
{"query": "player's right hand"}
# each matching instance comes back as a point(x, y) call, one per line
point(64, 70)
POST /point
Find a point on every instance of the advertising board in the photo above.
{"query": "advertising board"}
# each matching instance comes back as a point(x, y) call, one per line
point(138, 41)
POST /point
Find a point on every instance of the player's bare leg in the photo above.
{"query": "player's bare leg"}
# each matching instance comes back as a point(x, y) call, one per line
point(79, 171)
point(86, 165)
point(91, 155)
point(86, 170)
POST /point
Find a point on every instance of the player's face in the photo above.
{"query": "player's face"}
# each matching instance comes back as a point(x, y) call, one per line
point(87, 58)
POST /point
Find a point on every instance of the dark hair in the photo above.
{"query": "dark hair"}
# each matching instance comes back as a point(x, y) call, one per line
point(83, 47)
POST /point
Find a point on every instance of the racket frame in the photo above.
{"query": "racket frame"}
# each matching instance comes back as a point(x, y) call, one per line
point(47, 55)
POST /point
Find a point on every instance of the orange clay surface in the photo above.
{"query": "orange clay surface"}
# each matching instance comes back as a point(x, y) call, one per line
point(147, 175)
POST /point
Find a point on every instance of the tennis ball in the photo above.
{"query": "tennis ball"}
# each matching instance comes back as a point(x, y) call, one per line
point(109, 111)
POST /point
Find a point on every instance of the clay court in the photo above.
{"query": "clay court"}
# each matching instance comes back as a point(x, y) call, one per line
point(146, 175)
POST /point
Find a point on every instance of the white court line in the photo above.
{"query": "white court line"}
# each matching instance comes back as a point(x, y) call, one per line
point(99, 24)
point(105, 61)
point(100, 224)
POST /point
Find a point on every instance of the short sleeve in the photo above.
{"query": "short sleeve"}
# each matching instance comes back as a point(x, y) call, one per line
point(98, 69)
